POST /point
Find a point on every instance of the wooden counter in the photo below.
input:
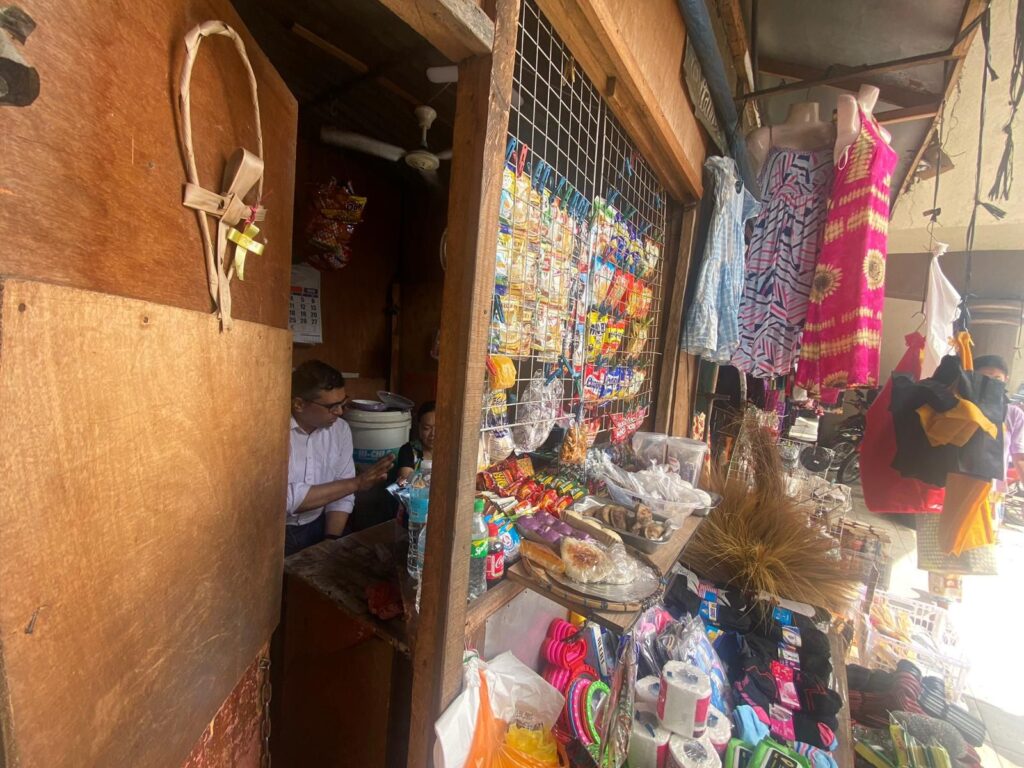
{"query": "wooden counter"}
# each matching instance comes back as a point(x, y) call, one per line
point(342, 569)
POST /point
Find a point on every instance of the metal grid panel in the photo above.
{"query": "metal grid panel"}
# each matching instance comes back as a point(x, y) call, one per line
point(631, 185)
point(563, 139)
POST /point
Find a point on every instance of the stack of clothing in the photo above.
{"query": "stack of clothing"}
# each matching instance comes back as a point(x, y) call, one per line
point(949, 433)
point(778, 663)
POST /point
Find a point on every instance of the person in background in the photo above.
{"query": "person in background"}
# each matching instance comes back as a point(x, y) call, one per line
point(995, 367)
point(412, 453)
point(321, 474)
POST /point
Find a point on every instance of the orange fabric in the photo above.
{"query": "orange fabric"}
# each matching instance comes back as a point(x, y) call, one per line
point(963, 344)
point(955, 426)
point(966, 521)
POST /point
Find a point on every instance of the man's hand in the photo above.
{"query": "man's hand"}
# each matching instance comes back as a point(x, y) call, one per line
point(370, 477)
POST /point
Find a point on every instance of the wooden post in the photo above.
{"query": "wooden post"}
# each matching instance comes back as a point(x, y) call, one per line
point(675, 292)
point(481, 125)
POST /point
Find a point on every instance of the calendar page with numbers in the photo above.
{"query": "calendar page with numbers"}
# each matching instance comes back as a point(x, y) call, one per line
point(304, 316)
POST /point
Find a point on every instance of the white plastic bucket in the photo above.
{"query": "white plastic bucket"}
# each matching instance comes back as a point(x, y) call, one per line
point(377, 433)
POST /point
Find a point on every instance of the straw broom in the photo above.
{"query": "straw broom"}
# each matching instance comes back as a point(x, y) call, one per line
point(759, 539)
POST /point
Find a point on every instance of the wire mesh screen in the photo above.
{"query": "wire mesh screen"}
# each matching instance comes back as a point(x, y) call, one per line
point(577, 300)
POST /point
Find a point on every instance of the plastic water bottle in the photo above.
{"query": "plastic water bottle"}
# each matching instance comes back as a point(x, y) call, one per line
point(478, 552)
point(419, 500)
point(421, 545)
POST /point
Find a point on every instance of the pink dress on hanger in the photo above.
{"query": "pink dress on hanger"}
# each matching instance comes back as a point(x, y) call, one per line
point(843, 333)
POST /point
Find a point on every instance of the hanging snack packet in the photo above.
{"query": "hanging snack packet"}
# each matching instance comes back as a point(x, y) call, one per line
point(501, 267)
point(595, 334)
point(501, 372)
point(610, 384)
point(593, 383)
point(639, 331)
point(616, 291)
point(507, 201)
point(634, 298)
point(625, 381)
point(614, 332)
point(620, 428)
point(646, 300)
point(604, 274)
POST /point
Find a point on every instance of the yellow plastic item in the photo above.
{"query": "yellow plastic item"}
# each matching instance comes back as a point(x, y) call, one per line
point(503, 372)
point(537, 746)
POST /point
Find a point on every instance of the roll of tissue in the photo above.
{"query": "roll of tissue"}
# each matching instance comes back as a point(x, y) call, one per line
point(647, 690)
point(719, 730)
point(691, 753)
point(648, 743)
point(684, 698)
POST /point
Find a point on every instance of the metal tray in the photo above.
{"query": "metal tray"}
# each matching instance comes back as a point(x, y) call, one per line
point(647, 546)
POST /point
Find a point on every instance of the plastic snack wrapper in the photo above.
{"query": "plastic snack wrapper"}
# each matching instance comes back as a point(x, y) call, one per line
point(501, 693)
point(536, 413)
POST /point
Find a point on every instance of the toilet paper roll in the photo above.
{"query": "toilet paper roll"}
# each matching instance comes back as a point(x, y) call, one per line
point(684, 698)
point(719, 730)
point(647, 690)
point(691, 753)
point(648, 743)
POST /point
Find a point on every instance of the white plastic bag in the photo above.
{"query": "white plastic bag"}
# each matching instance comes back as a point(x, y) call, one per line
point(513, 687)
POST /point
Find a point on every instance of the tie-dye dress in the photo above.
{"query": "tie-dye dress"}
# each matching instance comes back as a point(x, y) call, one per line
point(843, 333)
point(781, 258)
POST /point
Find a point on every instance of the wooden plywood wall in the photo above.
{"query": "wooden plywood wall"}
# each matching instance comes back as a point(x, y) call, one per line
point(140, 549)
point(91, 174)
point(155, 560)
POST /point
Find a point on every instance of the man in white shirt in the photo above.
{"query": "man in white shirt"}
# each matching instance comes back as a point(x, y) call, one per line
point(321, 474)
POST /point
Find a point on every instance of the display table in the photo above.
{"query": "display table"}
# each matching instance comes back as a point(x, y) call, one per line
point(617, 621)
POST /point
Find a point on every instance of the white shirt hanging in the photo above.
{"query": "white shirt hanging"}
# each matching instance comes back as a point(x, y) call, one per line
point(941, 309)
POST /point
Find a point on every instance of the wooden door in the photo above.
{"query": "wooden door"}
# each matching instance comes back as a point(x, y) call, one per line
point(144, 451)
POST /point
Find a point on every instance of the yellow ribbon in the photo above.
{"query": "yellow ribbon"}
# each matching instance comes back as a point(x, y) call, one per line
point(245, 242)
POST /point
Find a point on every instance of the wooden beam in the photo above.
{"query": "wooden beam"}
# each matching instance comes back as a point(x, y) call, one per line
point(357, 66)
point(731, 14)
point(892, 94)
point(908, 114)
point(592, 34)
point(457, 28)
point(481, 126)
point(968, 21)
point(683, 225)
point(858, 72)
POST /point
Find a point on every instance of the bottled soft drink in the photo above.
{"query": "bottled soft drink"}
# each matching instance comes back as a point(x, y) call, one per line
point(419, 500)
point(478, 552)
point(495, 566)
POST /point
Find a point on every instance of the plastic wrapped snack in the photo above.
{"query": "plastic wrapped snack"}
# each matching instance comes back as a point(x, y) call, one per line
point(585, 561)
point(536, 414)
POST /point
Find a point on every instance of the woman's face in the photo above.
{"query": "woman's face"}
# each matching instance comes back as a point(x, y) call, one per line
point(427, 430)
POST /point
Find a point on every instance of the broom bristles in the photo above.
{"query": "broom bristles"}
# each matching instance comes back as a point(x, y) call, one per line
point(760, 539)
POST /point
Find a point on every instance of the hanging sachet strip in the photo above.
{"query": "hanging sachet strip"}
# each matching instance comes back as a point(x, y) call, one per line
point(244, 171)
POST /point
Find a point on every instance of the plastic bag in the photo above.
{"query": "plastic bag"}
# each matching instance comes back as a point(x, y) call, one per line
point(494, 694)
point(686, 640)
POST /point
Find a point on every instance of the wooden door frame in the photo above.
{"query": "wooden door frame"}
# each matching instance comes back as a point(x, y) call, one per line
point(481, 125)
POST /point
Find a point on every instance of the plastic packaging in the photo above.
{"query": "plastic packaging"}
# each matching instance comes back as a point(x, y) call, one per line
point(478, 552)
point(504, 690)
point(536, 414)
point(686, 640)
point(419, 499)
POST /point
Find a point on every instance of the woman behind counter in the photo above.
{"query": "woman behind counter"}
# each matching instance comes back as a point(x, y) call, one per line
point(412, 453)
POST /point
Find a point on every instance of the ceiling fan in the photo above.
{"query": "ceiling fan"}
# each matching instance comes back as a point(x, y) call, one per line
point(420, 158)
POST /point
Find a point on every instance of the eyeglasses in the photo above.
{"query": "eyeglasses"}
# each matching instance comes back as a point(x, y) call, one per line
point(332, 407)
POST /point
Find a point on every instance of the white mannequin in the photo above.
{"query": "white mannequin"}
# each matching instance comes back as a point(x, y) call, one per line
point(803, 130)
point(848, 118)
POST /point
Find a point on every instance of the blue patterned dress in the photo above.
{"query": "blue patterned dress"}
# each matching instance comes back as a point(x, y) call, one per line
point(711, 328)
point(781, 259)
